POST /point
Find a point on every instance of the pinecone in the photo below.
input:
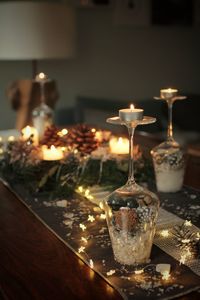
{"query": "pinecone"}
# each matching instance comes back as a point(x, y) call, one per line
point(126, 218)
point(51, 137)
point(25, 153)
point(82, 138)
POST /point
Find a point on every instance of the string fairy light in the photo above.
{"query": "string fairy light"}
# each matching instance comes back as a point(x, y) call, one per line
point(188, 223)
point(140, 271)
point(165, 233)
point(83, 239)
point(91, 218)
point(101, 205)
point(102, 216)
point(82, 226)
point(182, 259)
point(110, 273)
point(91, 263)
point(81, 249)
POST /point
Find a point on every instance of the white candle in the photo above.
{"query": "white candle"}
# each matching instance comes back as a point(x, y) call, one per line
point(131, 114)
point(119, 145)
point(168, 93)
point(52, 153)
point(28, 132)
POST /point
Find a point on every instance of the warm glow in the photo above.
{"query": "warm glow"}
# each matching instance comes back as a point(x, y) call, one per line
point(102, 216)
point(81, 249)
point(169, 90)
point(165, 275)
point(165, 232)
point(93, 130)
point(91, 264)
point(188, 223)
point(132, 107)
point(83, 239)
point(10, 138)
point(101, 205)
point(119, 145)
point(42, 76)
point(64, 131)
point(82, 226)
point(54, 153)
point(28, 132)
point(91, 218)
point(80, 189)
point(137, 272)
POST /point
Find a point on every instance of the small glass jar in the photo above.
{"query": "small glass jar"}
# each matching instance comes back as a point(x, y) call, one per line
point(42, 118)
point(169, 166)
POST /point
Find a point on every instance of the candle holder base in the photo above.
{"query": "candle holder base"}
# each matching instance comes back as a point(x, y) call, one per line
point(117, 121)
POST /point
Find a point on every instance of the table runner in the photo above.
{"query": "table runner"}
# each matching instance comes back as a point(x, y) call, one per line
point(72, 221)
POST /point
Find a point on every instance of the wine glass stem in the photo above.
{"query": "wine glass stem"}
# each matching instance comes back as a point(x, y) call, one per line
point(131, 179)
point(170, 127)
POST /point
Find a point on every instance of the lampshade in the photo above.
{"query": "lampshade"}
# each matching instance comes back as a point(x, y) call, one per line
point(33, 31)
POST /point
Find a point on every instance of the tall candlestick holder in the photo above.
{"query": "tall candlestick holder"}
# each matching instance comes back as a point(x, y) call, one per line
point(131, 210)
point(43, 114)
point(168, 157)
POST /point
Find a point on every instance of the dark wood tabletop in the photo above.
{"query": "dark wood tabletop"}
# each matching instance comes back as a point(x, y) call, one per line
point(35, 264)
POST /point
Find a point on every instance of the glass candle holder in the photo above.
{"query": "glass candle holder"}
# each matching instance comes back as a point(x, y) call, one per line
point(131, 211)
point(42, 115)
point(168, 157)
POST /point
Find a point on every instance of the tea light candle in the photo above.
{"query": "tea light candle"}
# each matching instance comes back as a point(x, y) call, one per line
point(119, 145)
point(27, 132)
point(11, 138)
point(52, 153)
point(168, 93)
point(41, 77)
point(131, 114)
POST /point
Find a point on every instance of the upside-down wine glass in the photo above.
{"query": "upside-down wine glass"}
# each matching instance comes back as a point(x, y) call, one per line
point(131, 210)
point(168, 157)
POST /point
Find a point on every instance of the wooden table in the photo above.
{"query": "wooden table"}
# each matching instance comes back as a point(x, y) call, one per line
point(34, 264)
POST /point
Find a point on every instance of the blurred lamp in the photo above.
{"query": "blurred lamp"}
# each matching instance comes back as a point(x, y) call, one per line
point(36, 31)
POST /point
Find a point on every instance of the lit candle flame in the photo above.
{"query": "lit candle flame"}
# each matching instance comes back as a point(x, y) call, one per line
point(42, 75)
point(132, 107)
